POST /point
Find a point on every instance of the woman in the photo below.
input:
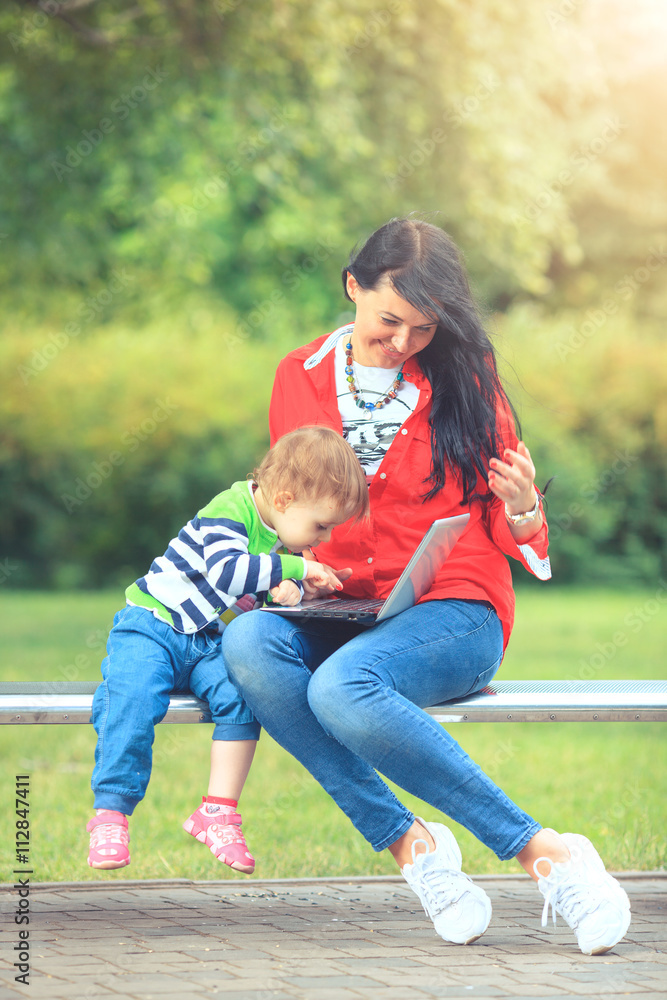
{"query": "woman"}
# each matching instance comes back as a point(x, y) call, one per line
point(413, 386)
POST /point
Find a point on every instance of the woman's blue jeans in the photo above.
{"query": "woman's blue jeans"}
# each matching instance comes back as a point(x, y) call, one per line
point(347, 702)
point(146, 660)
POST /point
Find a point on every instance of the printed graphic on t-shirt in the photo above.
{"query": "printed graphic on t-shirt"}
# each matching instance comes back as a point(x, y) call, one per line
point(370, 439)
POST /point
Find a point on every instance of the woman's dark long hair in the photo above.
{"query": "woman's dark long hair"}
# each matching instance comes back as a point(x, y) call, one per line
point(425, 268)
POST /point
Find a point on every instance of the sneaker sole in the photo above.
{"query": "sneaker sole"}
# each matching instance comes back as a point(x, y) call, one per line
point(108, 865)
point(244, 869)
point(472, 939)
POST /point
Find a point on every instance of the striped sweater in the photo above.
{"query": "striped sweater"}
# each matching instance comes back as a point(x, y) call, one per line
point(222, 554)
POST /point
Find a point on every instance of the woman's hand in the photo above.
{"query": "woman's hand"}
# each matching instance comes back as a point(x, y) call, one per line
point(286, 593)
point(311, 589)
point(321, 580)
point(513, 482)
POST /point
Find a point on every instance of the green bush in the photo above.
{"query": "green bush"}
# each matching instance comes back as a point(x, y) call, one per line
point(118, 441)
point(115, 438)
point(592, 396)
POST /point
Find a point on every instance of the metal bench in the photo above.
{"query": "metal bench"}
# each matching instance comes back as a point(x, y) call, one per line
point(61, 702)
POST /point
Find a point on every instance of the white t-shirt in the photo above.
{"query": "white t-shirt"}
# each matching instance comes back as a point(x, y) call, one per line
point(370, 432)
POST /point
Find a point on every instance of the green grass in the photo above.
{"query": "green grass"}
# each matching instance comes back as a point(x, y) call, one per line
point(606, 781)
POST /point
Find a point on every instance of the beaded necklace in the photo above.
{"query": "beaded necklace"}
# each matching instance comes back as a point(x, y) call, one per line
point(356, 391)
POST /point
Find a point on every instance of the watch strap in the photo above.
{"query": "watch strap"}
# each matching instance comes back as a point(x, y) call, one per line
point(527, 516)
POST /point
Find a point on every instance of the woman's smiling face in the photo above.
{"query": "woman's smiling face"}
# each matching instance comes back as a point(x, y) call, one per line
point(387, 329)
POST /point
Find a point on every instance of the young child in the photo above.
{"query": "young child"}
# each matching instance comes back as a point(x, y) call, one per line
point(167, 638)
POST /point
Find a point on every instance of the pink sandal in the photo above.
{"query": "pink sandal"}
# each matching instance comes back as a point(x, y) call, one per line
point(219, 827)
point(109, 838)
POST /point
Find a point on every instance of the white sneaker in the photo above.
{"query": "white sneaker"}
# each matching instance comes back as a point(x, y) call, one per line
point(588, 898)
point(459, 909)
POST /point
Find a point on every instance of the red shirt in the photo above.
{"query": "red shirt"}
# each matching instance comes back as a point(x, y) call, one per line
point(379, 549)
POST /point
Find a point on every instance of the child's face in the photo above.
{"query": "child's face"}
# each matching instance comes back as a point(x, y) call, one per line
point(303, 524)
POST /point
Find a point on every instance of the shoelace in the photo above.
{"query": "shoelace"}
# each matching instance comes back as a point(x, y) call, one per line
point(573, 899)
point(440, 887)
point(422, 853)
point(567, 891)
point(228, 833)
point(110, 832)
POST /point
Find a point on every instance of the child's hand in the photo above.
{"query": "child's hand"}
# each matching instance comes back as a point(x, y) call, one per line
point(323, 578)
point(286, 593)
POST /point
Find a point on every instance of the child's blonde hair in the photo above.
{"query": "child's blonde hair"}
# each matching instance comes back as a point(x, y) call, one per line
point(315, 463)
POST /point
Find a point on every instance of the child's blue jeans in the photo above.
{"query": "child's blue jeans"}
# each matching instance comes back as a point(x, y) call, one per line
point(146, 661)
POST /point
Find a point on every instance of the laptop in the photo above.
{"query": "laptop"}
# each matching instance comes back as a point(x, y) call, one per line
point(413, 583)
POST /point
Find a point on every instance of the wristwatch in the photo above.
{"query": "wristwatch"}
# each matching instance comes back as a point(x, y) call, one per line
point(523, 518)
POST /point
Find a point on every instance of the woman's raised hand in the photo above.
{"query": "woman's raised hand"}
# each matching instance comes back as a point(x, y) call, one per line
point(513, 480)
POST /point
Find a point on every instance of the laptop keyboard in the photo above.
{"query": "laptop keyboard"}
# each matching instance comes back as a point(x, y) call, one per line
point(348, 603)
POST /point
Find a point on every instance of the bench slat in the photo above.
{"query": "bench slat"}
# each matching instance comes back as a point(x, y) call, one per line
point(560, 701)
point(56, 703)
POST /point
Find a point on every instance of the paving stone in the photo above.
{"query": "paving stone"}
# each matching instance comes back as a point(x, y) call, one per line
point(51, 989)
point(319, 940)
point(325, 993)
point(396, 993)
point(394, 962)
point(242, 995)
point(644, 996)
point(260, 985)
point(332, 981)
point(460, 991)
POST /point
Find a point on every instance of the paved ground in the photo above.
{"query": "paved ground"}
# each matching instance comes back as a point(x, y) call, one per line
point(315, 940)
